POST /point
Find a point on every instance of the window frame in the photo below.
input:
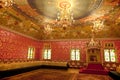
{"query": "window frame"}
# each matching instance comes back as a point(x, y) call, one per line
point(75, 54)
point(109, 53)
point(31, 53)
point(48, 53)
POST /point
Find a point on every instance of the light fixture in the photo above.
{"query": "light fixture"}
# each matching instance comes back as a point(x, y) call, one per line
point(97, 26)
point(64, 16)
point(47, 29)
point(93, 43)
point(8, 3)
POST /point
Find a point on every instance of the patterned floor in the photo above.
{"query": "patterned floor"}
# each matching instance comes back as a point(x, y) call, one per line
point(92, 77)
point(52, 74)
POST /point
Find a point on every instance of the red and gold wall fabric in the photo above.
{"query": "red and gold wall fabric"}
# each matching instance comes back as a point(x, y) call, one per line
point(14, 46)
point(116, 46)
point(61, 49)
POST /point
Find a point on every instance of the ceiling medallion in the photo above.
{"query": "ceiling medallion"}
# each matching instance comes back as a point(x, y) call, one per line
point(64, 4)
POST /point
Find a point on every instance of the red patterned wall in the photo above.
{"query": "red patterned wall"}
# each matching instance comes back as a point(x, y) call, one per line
point(116, 46)
point(14, 46)
point(61, 48)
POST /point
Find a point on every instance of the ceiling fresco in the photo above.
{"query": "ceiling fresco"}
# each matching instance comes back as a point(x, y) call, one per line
point(80, 8)
point(29, 16)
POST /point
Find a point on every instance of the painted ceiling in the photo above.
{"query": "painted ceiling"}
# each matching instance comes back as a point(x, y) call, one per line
point(29, 17)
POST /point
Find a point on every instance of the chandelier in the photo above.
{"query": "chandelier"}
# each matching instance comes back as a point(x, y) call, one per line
point(8, 3)
point(97, 26)
point(93, 43)
point(65, 15)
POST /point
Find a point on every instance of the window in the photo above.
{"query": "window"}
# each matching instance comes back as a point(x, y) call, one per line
point(47, 51)
point(109, 45)
point(109, 55)
point(47, 54)
point(75, 54)
point(31, 52)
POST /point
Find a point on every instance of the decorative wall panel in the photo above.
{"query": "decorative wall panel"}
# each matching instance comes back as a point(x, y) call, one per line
point(14, 46)
point(61, 50)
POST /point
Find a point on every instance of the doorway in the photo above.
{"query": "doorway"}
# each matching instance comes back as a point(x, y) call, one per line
point(93, 55)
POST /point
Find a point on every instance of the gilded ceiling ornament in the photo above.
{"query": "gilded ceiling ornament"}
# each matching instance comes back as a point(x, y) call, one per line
point(82, 11)
point(64, 4)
